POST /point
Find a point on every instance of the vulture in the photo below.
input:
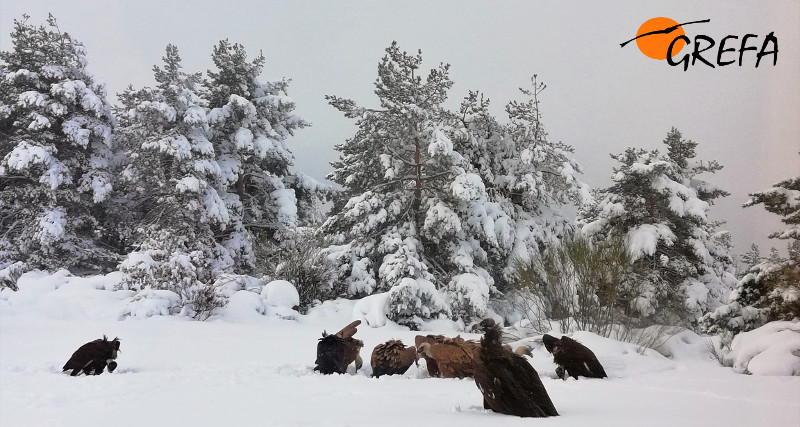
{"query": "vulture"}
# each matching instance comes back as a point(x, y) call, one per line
point(447, 357)
point(573, 358)
point(336, 352)
point(392, 357)
point(509, 383)
point(92, 357)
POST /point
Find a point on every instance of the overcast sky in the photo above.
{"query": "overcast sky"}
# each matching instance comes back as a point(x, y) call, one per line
point(600, 98)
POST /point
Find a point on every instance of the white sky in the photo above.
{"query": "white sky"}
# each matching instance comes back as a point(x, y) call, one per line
point(600, 98)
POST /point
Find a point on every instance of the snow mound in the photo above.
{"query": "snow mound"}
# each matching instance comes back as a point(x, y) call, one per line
point(687, 345)
point(151, 302)
point(373, 310)
point(277, 299)
point(229, 284)
point(280, 293)
point(245, 305)
point(62, 296)
point(773, 349)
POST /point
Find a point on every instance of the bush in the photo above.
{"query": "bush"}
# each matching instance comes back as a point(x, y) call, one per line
point(10, 274)
point(202, 299)
point(187, 274)
point(584, 285)
point(303, 263)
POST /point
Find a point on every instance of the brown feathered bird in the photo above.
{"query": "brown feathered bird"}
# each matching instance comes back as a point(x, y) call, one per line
point(93, 357)
point(573, 358)
point(430, 363)
point(392, 357)
point(336, 352)
point(447, 357)
point(508, 382)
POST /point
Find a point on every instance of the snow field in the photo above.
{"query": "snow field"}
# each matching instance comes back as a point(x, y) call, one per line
point(248, 370)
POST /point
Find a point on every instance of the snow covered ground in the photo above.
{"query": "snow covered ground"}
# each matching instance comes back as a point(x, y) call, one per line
point(245, 368)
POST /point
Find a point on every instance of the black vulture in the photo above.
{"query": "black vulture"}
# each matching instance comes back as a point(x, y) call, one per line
point(335, 352)
point(92, 357)
point(508, 382)
point(573, 358)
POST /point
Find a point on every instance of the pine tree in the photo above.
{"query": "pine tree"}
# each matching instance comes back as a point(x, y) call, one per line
point(770, 289)
point(55, 148)
point(539, 180)
point(395, 173)
point(528, 178)
point(659, 205)
point(444, 200)
point(751, 258)
point(169, 181)
point(250, 122)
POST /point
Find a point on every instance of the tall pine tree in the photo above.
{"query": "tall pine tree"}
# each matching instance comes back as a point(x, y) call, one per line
point(250, 122)
point(394, 171)
point(169, 179)
point(55, 147)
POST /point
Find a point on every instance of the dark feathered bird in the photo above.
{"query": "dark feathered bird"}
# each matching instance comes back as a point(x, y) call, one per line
point(573, 358)
point(392, 357)
point(336, 352)
point(92, 357)
point(508, 382)
point(447, 357)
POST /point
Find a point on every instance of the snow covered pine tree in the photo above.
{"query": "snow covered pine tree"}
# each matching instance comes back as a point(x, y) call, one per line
point(169, 180)
point(250, 122)
point(434, 204)
point(394, 171)
point(660, 207)
point(771, 288)
point(528, 181)
point(55, 147)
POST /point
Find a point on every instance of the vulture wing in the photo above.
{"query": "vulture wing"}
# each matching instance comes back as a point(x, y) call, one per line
point(392, 357)
point(81, 358)
point(579, 359)
point(349, 330)
point(509, 384)
point(454, 357)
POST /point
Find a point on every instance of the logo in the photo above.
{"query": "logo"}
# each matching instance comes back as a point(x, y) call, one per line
point(664, 38)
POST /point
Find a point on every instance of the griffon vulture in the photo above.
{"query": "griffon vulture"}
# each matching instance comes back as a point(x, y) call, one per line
point(392, 357)
point(447, 357)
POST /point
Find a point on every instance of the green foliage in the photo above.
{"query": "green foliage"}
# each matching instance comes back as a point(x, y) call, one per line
point(581, 284)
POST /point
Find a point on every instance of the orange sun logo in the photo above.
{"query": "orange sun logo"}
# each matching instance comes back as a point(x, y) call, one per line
point(655, 44)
